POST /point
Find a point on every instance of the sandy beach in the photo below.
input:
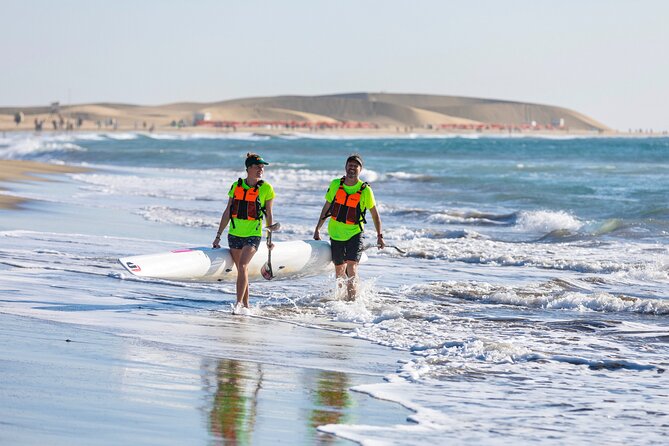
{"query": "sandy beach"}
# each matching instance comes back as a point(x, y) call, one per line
point(65, 384)
point(15, 170)
point(373, 113)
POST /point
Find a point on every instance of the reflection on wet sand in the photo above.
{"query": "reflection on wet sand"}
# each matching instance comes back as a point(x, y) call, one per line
point(235, 405)
point(251, 402)
point(330, 400)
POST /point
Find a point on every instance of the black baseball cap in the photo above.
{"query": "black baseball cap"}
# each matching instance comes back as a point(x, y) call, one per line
point(255, 159)
point(355, 157)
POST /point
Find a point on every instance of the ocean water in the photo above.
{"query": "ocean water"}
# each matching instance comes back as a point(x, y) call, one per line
point(531, 305)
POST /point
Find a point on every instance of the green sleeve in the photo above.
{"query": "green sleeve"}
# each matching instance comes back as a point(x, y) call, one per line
point(332, 190)
point(269, 192)
point(368, 197)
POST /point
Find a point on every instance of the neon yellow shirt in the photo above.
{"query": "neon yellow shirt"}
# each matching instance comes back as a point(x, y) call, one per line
point(250, 228)
point(341, 231)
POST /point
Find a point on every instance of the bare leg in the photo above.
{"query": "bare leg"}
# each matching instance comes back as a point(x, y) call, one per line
point(340, 272)
point(242, 258)
point(352, 281)
point(236, 255)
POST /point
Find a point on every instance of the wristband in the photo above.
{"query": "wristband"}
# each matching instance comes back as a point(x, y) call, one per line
point(379, 235)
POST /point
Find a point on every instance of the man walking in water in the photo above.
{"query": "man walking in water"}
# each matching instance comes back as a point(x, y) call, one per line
point(346, 202)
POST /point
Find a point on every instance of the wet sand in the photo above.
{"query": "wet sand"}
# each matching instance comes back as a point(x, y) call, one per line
point(69, 384)
point(14, 170)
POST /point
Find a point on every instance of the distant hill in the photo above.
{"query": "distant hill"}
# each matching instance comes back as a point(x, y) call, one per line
point(381, 110)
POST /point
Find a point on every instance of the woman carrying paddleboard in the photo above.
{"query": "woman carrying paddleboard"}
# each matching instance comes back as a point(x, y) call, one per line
point(250, 200)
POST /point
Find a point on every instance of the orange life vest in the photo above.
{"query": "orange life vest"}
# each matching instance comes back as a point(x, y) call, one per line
point(246, 202)
point(345, 207)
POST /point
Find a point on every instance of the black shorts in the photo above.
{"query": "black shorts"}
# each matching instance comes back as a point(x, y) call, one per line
point(350, 249)
point(235, 242)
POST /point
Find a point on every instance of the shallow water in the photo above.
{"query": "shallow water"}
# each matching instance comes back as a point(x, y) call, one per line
point(531, 304)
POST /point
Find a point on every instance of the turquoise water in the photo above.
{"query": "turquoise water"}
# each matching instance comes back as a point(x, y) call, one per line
point(594, 180)
point(532, 298)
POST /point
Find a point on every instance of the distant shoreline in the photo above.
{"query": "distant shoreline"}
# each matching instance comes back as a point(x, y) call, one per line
point(278, 131)
point(15, 171)
point(360, 112)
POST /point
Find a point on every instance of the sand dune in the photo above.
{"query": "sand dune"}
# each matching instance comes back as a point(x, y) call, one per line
point(382, 110)
point(489, 111)
point(355, 108)
point(261, 113)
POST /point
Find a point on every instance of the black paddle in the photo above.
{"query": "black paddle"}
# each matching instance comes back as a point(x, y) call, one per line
point(266, 269)
point(374, 245)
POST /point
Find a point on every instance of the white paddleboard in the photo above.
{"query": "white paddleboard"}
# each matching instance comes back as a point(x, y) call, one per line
point(289, 260)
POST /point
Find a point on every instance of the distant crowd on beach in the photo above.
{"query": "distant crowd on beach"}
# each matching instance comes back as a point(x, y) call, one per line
point(55, 121)
point(59, 123)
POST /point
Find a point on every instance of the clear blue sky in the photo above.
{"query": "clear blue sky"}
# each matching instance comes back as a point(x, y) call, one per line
point(605, 58)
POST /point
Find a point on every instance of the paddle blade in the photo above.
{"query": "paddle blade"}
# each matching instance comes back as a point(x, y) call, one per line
point(266, 272)
point(401, 251)
point(275, 227)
